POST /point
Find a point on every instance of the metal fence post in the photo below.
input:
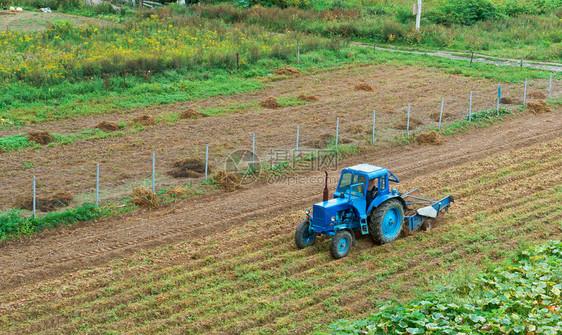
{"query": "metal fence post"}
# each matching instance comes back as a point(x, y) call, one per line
point(98, 185)
point(441, 114)
point(253, 150)
point(337, 132)
point(499, 97)
point(470, 108)
point(525, 94)
point(154, 173)
point(206, 161)
point(408, 122)
point(34, 199)
point(297, 147)
point(374, 118)
point(549, 87)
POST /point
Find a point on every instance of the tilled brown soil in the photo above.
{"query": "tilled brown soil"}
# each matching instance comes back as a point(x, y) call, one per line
point(126, 161)
point(64, 250)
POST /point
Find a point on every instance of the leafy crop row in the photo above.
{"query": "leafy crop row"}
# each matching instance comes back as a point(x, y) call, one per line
point(519, 297)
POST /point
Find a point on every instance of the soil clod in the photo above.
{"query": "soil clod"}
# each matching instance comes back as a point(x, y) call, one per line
point(45, 204)
point(227, 181)
point(321, 141)
point(309, 98)
point(147, 120)
point(107, 126)
point(271, 103)
point(431, 137)
point(290, 71)
point(190, 114)
point(506, 100)
point(538, 107)
point(403, 125)
point(435, 116)
point(189, 168)
point(537, 95)
point(363, 87)
point(40, 136)
point(145, 198)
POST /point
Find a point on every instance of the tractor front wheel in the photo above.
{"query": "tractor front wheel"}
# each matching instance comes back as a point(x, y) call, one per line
point(341, 244)
point(303, 237)
point(386, 222)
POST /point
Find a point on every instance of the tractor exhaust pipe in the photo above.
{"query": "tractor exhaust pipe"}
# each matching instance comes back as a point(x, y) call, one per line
point(326, 195)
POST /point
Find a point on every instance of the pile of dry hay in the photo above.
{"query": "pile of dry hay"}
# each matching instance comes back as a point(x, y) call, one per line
point(189, 168)
point(107, 126)
point(431, 137)
point(290, 71)
point(538, 107)
point(309, 98)
point(145, 198)
point(227, 181)
point(190, 114)
point(40, 136)
point(271, 103)
point(45, 204)
point(363, 87)
point(147, 120)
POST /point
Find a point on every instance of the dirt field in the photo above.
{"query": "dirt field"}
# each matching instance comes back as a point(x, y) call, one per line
point(235, 268)
point(36, 21)
point(225, 263)
point(126, 161)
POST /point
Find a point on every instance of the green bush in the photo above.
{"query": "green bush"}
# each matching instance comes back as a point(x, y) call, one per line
point(465, 12)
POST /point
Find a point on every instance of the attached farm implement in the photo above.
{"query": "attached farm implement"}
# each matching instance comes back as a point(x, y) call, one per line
point(364, 203)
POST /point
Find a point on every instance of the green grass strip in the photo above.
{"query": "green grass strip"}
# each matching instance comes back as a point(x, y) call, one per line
point(14, 225)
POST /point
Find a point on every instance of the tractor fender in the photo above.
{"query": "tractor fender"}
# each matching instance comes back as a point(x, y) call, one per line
point(379, 200)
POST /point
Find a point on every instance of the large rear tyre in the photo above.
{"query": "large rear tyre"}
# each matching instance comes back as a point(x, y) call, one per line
point(386, 222)
point(341, 244)
point(303, 237)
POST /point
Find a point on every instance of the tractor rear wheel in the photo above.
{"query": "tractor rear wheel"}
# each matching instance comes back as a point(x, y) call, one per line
point(303, 237)
point(341, 244)
point(386, 222)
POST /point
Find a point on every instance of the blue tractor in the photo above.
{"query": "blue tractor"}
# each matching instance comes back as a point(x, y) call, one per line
point(364, 203)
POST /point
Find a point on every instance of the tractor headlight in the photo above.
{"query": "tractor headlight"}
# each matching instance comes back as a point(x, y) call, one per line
point(307, 211)
point(333, 218)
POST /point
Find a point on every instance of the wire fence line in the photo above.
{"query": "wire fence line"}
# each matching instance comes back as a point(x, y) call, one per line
point(298, 149)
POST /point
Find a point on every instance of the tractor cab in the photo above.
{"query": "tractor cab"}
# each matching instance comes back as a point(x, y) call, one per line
point(360, 188)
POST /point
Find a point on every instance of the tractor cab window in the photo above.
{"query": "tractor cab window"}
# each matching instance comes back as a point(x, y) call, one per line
point(352, 184)
point(382, 186)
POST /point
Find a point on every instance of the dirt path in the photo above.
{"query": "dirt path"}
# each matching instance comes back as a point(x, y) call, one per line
point(63, 250)
point(548, 66)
